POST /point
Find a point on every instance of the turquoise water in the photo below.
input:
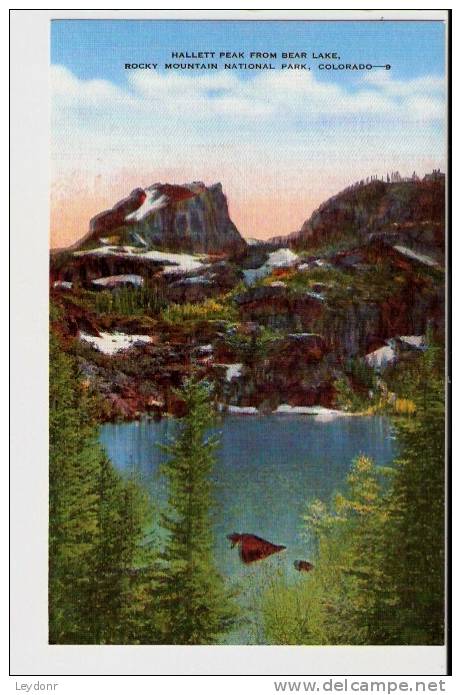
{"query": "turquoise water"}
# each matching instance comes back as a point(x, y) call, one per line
point(268, 469)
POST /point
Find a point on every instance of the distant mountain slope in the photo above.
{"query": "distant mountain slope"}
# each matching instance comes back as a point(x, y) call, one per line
point(192, 217)
point(409, 212)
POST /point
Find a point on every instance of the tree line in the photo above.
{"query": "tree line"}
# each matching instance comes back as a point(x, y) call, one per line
point(379, 545)
point(110, 579)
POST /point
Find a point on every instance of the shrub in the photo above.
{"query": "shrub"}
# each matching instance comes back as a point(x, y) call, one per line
point(210, 309)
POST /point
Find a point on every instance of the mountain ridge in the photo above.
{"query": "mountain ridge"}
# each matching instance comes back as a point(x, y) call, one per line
point(408, 211)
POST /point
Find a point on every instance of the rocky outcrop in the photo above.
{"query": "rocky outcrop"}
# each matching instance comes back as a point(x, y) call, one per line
point(192, 217)
point(296, 326)
point(279, 308)
point(409, 212)
point(217, 279)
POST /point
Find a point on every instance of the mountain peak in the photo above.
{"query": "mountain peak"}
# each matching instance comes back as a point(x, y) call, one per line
point(188, 217)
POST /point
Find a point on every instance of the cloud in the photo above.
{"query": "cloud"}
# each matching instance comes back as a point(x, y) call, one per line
point(67, 91)
point(427, 84)
point(280, 142)
point(282, 97)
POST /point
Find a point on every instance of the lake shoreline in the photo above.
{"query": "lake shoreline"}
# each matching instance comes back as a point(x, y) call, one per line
point(318, 412)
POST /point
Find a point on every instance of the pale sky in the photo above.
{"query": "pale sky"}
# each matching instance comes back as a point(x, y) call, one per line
point(279, 141)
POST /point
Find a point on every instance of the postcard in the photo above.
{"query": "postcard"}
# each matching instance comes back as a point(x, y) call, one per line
point(247, 335)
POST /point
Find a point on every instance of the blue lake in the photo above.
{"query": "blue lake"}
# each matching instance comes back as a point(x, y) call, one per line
point(268, 469)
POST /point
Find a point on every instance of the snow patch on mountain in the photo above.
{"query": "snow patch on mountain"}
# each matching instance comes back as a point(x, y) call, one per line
point(120, 251)
point(282, 258)
point(120, 280)
point(153, 202)
point(380, 358)
point(426, 260)
point(111, 343)
point(142, 241)
point(175, 262)
point(415, 341)
point(233, 371)
point(62, 285)
point(318, 410)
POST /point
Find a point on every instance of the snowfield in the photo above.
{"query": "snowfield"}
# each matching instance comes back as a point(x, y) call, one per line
point(111, 343)
point(321, 414)
point(115, 280)
point(381, 357)
point(240, 410)
point(282, 258)
point(62, 285)
point(175, 262)
point(233, 371)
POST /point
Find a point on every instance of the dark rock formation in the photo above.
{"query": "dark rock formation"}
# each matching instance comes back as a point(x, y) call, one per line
point(253, 548)
point(303, 565)
point(279, 308)
point(409, 212)
point(193, 218)
point(107, 221)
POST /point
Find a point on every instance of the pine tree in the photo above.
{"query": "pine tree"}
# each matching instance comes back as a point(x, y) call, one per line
point(195, 605)
point(73, 516)
point(122, 514)
point(351, 537)
point(96, 523)
point(341, 600)
point(414, 555)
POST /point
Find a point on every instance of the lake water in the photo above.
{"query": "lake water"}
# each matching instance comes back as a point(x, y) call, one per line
point(268, 469)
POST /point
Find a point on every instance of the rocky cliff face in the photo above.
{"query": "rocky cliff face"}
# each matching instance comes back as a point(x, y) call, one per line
point(192, 217)
point(409, 212)
point(268, 327)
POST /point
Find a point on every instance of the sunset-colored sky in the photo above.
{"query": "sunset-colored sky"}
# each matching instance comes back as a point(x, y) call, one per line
point(280, 141)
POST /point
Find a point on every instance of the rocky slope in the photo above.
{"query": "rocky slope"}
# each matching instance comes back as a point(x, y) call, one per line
point(270, 327)
point(192, 217)
point(408, 212)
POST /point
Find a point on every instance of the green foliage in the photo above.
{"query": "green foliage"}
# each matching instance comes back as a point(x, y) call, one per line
point(414, 376)
point(95, 521)
point(208, 310)
point(195, 606)
point(415, 551)
point(116, 589)
point(130, 301)
point(347, 238)
point(252, 348)
point(305, 279)
point(345, 396)
point(292, 612)
point(352, 389)
point(379, 547)
point(359, 285)
point(362, 373)
point(73, 525)
point(342, 600)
